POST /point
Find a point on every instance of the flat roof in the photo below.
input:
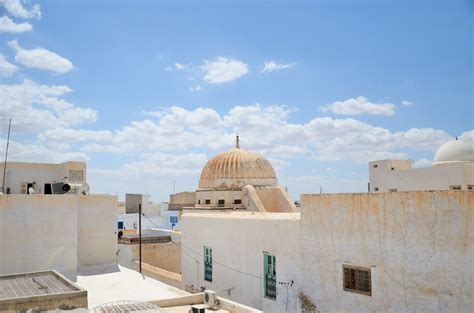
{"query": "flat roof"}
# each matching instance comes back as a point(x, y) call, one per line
point(110, 283)
point(34, 284)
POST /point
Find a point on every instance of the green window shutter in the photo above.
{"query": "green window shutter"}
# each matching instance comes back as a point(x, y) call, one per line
point(269, 269)
point(207, 264)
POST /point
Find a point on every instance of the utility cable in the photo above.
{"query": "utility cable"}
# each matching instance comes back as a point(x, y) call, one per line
point(290, 283)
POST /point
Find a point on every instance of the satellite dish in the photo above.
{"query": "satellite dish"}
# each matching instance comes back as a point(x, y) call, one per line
point(31, 190)
point(66, 188)
point(84, 189)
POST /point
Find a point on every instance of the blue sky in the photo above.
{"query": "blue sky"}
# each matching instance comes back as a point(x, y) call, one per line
point(147, 91)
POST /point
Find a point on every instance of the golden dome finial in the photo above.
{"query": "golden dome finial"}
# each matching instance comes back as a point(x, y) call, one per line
point(237, 142)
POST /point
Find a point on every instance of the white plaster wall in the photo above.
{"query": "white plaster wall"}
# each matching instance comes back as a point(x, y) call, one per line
point(41, 173)
point(419, 246)
point(439, 177)
point(130, 221)
point(238, 240)
point(38, 232)
point(60, 232)
point(215, 195)
point(96, 227)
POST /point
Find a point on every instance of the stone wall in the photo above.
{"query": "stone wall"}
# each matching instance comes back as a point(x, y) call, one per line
point(418, 245)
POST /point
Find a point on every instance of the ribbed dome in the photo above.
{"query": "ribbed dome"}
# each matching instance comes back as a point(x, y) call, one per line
point(454, 151)
point(236, 168)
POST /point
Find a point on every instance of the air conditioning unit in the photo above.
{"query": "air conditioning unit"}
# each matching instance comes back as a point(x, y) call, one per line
point(210, 298)
point(198, 308)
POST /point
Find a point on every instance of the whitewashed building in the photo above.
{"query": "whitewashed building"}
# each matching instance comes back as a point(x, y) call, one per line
point(453, 169)
point(370, 252)
point(44, 230)
point(42, 178)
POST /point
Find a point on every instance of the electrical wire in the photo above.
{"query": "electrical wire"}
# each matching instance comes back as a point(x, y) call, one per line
point(290, 283)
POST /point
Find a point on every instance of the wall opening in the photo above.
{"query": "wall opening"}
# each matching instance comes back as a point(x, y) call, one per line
point(47, 189)
point(357, 279)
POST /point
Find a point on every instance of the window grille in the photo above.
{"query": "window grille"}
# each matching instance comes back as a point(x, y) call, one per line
point(455, 187)
point(220, 203)
point(208, 201)
point(357, 279)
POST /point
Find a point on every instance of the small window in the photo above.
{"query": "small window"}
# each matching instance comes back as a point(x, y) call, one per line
point(392, 168)
point(455, 187)
point(120, 225)
point(470, 187)
point(221, 202)
point(237, 201)
point(208, 201)
point(357, 279)
point(208, 264)
point(376, 188)
point(393, 190)
point(199, 201)
point(375, 166)
point(269, 269)
point(173, 219)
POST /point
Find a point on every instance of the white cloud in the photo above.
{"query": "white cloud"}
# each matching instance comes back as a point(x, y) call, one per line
point(407, 103)
point(79, 116)
point(6, 68)
point(467, 136)
point(7, 25)
point(274, 66)
point(168, 69)
point(358, 106)
point(16, 9)
point(165, 144)
point(197, 88)
point(41, 59)
point(35, 108)
point(223, 70)
point(69, 135)
point(179, 66)
point(266, 129)
point(32, 152)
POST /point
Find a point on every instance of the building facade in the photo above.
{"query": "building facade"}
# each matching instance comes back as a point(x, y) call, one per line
point(453, 169)
point(42, 178)
point(371, 252)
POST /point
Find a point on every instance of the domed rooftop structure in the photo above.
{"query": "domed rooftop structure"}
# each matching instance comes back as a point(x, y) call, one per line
point(454, 151)
point(236, 168)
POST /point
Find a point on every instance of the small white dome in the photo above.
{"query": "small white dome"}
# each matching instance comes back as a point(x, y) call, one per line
point(454, 151)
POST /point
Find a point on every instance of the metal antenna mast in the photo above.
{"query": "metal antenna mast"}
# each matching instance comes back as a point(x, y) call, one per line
point(6, 155)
